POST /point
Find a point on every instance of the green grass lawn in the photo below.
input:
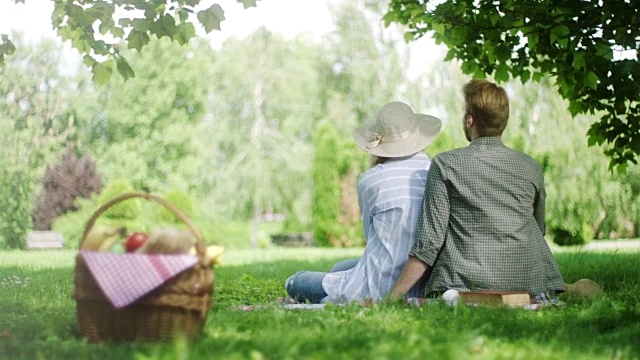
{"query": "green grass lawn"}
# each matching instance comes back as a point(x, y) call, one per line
point(37, 316)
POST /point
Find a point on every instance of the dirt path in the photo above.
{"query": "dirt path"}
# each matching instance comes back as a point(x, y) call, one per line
point(613, 245)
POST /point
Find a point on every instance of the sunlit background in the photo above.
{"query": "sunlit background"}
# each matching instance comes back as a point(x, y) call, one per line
point(244, 125)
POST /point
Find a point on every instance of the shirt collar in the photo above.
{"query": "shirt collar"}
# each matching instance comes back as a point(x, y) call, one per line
point(486, 140)
point(419, 154)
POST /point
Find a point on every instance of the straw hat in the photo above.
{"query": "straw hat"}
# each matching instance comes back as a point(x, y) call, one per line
point(397, 131)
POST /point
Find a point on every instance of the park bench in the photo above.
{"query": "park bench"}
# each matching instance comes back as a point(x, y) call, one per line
point(293, 239)
point(45, 240)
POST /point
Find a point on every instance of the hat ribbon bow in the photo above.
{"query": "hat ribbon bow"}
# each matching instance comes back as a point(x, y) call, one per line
point(378, 139)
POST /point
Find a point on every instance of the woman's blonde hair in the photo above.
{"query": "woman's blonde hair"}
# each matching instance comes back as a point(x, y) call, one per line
point(488, 104)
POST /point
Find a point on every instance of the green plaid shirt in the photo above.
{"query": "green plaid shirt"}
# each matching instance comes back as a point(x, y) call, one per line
point(482, 222)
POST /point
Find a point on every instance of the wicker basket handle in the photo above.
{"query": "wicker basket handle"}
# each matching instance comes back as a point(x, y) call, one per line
point(200, 245)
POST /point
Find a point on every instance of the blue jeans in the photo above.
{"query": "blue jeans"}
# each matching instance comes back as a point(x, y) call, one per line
point(306, 286)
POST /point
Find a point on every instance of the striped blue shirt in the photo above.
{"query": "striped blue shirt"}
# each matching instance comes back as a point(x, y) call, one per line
point(390, 199)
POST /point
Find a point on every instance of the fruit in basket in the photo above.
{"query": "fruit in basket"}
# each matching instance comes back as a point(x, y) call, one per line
point(135, 240)
point(213, 254)
point(167, 240)
point(117, 248)
point(101, 237)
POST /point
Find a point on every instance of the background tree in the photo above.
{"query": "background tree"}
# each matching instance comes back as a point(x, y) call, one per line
point(368, 64)
point(367, 69)
point(62, 184)
point(585, 201)
point(575, 41)
point(233, 130)
point(143, 130)
point(15, 202)
point(326, 189)
point(256, 148)
point(337, 165)
point(36, 118)
point(37, 122)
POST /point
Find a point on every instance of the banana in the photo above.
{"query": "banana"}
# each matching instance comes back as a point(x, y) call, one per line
point(100, 237)
point(213, 254)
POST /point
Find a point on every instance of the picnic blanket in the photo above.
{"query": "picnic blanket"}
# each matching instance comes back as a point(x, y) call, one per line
point(288, 303)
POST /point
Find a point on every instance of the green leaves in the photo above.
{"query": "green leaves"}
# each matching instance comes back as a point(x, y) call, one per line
point(591, 80)
point(248, 3)
point(579, 62)
point(185, 33)
point(604, 50)
point(560, 34)
point(165, 25)
point(102, 71)
point(137, 39)
point(211, 17)
point(6, 48)
point(532, 41)
point(573, 41)
point(124, 69)
point(502, 73)
point(96, 28)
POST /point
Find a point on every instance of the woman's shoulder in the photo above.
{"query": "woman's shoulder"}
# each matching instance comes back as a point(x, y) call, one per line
point(408, 164)
point(399, 169)
point(416, 161)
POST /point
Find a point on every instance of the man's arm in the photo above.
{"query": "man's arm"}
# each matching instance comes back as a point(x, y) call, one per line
point(538, 207)
point(412, 272)
point(431, 228)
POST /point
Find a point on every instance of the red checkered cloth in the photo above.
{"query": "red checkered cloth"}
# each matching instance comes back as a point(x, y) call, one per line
point(124, 278)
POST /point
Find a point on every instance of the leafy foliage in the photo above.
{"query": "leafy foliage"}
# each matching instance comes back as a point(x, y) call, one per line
point(63, 182)
point(256, 136)
point(326, 190)
point(337, 164)
point(584, 200)
point(15, 202)
point(6, 48)
point(37, 116)
point(36, 124)
point(233, 128)
point(143, 130)
point(575, 41)
point(97, 28)
point(178, 199)
point(72, 223)
point(124, 210)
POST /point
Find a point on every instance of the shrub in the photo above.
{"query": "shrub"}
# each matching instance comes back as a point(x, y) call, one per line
point(15, 202)
point(336, 169)
point(125, 210)
point(73, 223)
point(178, 199)
point(62, 184)
point(326, 189)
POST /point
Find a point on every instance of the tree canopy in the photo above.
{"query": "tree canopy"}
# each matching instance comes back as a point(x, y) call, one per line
point(579, 43)
point(584, 45)
point(234, 130)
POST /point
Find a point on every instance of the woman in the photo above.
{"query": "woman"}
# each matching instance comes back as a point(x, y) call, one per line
point(390, 197)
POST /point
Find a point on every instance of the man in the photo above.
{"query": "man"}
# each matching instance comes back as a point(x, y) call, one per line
point(482, 222)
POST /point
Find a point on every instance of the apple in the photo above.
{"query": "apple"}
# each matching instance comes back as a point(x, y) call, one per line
point(117, 248)
point(135, 240)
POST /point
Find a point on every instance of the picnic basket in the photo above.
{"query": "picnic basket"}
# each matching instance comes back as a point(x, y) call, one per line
point(178, 307)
